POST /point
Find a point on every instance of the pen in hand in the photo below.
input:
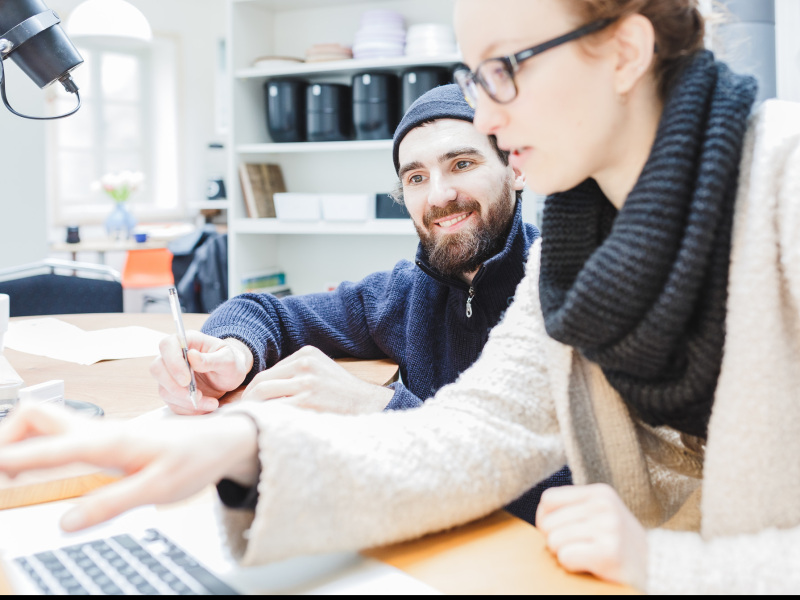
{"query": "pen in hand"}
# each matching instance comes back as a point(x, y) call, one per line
point(176, 315)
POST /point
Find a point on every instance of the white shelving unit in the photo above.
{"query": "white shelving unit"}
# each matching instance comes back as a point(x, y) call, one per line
point(345, 67)
point(307, 147)
point(210, 205)
point(372, 227)
point(314, 255)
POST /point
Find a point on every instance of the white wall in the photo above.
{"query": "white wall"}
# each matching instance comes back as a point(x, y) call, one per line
point(197, 25)
point(23, 213)
point(787, 41)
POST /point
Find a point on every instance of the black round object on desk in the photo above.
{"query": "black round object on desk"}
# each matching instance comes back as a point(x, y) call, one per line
point(73, 234)
point(329, 112)
point(419, 80)
point(375, 106)
point(286, 109)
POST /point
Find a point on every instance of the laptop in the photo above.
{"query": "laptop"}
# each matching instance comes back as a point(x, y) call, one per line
point(176, 551)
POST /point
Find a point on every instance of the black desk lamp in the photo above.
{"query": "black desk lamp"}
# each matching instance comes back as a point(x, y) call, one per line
point(31, 35)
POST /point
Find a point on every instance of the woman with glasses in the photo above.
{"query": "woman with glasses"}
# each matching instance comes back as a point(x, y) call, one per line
point(653, 345)
point(668, 284)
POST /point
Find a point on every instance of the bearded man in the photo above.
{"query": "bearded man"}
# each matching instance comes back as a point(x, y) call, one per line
point(432, 316)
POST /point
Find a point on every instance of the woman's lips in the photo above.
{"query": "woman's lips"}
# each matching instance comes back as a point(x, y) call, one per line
point(519, 156)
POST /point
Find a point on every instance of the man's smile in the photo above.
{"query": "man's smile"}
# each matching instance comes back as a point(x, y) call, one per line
point(451, 221)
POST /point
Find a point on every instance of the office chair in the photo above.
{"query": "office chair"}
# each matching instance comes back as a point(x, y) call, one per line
point(184, 248)
point(204, 286)
point(43, 288)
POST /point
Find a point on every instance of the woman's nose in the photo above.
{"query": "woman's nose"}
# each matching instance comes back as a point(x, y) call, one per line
point(489, 115)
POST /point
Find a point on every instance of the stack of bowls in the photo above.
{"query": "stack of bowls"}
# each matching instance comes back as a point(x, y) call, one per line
point(382, 34)
point(326, 52)
point(430, 39)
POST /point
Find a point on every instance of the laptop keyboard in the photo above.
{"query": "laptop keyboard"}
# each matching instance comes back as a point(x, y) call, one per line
point(122, 564)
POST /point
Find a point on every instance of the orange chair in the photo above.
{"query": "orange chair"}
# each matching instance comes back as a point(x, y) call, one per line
point(148, 268)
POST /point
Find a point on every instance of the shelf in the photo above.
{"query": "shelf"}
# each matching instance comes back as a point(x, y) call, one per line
point(347, 67)
point(278, 227)
point(347, 146)
point(210, 205)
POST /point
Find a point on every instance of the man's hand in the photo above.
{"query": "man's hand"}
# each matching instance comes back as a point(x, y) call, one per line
point(310, 379)
point(589, 529)
point(160, 461)
point(219, 366)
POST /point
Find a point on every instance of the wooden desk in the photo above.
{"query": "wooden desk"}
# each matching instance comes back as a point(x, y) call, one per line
point(125, 388)
point(499, 554)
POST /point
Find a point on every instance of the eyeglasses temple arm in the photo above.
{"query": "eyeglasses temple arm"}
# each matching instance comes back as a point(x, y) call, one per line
point(567, 37)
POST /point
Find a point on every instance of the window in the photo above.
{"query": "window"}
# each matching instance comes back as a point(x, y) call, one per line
point(127, 121)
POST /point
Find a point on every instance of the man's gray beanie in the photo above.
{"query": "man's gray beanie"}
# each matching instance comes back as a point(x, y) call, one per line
point(443, 102)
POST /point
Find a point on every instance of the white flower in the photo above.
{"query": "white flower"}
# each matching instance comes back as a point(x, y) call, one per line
point(110, 181)
point(119, 185)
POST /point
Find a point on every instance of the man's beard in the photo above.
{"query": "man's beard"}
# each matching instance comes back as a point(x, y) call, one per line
point(455, 254)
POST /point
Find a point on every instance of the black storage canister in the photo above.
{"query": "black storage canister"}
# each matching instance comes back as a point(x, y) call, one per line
point(286, 109)
point(419, 80)
point(375, 106)
point(329, 116)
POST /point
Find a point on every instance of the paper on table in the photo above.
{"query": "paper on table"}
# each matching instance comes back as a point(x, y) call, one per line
point(54, 338)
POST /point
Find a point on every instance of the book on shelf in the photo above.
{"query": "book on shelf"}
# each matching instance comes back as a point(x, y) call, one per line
point(269, 278)
point(279, 291)
point(260, 182)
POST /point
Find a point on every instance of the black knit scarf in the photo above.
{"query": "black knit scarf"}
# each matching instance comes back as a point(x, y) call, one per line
point(642, 291)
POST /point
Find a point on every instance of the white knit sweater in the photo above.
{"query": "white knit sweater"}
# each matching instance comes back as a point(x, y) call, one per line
point(530, 404)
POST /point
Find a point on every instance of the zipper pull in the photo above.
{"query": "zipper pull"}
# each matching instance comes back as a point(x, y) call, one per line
point(469, 301)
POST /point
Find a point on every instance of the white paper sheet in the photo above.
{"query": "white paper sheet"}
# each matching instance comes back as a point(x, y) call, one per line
point(54, 338)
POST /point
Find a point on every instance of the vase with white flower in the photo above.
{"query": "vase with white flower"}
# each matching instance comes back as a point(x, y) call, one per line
point(120, 187)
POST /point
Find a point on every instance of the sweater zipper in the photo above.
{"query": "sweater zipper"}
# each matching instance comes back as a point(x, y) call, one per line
point(471, 288)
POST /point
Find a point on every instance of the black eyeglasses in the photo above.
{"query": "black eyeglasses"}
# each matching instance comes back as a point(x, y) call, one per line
point(496, 75)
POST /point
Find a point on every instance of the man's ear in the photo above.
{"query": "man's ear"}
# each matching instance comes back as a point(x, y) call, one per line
point(635, 41)
point(519, 180)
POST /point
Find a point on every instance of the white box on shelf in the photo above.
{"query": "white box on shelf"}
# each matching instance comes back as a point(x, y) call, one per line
point(291, 206)
point(348, 207)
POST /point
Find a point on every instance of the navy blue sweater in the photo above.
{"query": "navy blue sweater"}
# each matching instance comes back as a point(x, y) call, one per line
point(411, 315)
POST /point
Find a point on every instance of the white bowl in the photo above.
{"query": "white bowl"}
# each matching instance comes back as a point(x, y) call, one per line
point(368, 35)
point(431, 29)
point(382, 16)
